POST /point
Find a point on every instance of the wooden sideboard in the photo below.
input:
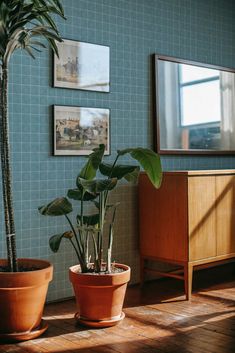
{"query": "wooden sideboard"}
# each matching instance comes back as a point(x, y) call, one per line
point(189, 221)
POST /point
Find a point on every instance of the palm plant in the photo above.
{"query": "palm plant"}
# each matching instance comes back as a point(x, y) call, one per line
point(22, 23)
point(90, 188)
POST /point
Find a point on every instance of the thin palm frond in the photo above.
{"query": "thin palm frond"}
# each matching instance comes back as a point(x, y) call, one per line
point(22, 20)
point(22, 23)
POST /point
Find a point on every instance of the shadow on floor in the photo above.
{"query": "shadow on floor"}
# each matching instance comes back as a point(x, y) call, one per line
point(158, 319)
point(171, 290)
point(145, 331)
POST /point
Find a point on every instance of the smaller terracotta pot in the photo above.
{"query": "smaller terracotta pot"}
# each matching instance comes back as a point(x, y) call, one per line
point(99, 297)
point(22, 299)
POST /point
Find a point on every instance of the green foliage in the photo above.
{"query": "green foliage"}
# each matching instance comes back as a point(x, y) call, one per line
point(90, 220)
point(23, 21)
point(97, 186)
point(149, 161)
point(79, 194)
point(119, 171)
point(90, 188)
point(26, 25)
point(88, 172)
point(58, 207)
point(55, 241)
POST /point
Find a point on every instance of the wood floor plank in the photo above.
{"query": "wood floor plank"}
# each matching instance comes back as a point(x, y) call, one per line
point(158, 320)
point(173, 337)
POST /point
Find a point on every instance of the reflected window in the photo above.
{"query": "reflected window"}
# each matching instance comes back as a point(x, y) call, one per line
point(199, 95)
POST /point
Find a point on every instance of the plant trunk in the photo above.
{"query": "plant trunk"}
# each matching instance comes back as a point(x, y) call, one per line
point(6, 174)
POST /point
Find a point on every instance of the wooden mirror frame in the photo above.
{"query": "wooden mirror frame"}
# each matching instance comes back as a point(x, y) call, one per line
point(156, 119)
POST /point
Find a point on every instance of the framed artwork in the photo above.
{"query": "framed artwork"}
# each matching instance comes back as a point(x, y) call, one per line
point(77, 130)
point(82, 66)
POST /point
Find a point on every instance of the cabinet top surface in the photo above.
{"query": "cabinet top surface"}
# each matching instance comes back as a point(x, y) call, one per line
point(201, 172)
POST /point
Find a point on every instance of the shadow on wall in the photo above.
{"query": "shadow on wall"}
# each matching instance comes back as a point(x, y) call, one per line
point(126, 228)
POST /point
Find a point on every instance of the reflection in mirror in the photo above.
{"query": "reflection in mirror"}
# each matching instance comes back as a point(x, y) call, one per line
point(195, 107)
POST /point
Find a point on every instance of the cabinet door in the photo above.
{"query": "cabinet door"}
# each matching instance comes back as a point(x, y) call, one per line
point(225, 214)
point(202, 217)
point(163, 218)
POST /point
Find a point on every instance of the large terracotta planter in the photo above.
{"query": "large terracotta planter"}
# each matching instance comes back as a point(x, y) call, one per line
point(99, 297)
point(22, 299)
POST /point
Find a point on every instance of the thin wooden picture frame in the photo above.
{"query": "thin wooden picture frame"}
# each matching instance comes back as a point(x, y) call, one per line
point(82, 65)
point(77, 130)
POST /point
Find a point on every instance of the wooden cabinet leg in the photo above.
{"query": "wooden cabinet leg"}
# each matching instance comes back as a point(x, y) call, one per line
point(188, 279)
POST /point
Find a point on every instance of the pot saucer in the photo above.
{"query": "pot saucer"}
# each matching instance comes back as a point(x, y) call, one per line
point(100, 323)
point(24, 336)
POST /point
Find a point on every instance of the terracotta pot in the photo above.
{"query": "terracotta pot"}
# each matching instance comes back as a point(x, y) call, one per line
point(22, 299)
point(99, 297)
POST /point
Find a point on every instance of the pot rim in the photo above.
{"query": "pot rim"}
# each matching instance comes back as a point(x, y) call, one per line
point(28, 260)
point(99, 280)
point(125, 267)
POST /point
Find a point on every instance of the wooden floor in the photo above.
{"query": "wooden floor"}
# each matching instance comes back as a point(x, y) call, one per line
point(158, 319)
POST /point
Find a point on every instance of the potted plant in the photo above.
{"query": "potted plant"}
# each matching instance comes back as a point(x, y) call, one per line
point(99, 284)
point(23, 282)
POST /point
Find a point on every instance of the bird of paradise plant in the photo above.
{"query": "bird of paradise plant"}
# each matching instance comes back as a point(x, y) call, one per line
point(95, 189)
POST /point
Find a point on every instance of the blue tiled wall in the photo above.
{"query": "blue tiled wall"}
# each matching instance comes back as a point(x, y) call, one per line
point(134, 29)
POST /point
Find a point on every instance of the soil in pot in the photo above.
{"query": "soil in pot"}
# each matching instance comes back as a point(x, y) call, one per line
point(20, 269)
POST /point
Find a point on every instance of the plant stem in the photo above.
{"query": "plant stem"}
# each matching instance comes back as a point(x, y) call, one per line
point(82, 208)
point(82, 238)
point(83, 266)
point(6, 174)
point(110, 245)
point(114, 163)
point(79, 250)
point(86, 244)
point(109, 255)
point(102, 207)
point(106, 193)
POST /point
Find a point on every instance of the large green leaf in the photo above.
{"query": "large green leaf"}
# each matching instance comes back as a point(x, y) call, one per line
point(133, 176)
point(76, 194)
point(108, 206)
point(90, 220)
point(149, 161)
point(119, 171)
point(55, 240)
point(98, 185)
point(88, 172)
point(58, 207)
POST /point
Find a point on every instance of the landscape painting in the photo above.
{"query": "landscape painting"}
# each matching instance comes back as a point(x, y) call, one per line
point(77, 130)
point(82, 66)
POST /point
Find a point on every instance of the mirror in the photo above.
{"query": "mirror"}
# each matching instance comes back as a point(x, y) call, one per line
point(195, 107)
